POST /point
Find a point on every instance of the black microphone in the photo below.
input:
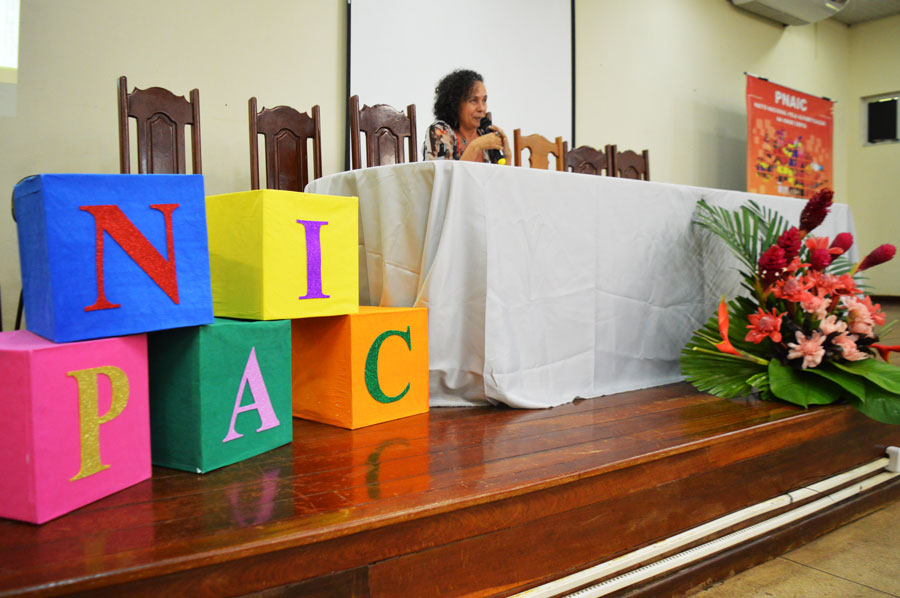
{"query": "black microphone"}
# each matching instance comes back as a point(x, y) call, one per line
point(494, 155)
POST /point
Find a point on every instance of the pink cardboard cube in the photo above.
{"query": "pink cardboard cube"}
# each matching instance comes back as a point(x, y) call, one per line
point(74, 422)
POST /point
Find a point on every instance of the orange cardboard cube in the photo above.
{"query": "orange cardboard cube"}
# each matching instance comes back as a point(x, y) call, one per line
point(361, 369)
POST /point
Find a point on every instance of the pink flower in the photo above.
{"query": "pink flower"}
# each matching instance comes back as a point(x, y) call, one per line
point(815, 304)
point(815, 210)
point(878, 316)
point(810, 349)
point(847, 344)
point(879, 255)
point(843, 241)
point(763, 325)
point(832, 324)
point(860, 319)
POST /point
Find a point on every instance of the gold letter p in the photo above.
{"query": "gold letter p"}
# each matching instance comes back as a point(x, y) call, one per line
point(89, 416)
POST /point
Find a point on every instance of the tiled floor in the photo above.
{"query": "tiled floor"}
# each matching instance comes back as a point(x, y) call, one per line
point(859, 560)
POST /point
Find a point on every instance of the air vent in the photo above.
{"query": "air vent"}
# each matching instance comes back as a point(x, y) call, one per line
point(792, 12)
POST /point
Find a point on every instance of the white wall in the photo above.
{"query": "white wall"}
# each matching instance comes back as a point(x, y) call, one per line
point(668, 76)
point(874, 170)
point(659, 74)
point(72, 53)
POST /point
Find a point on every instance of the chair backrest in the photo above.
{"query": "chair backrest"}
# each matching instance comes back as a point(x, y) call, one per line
point(585, 159)
point(161, 117)
point(286, 133)
point(20, 309)
point(539, 148)
point(631, 165)
point(385, 129)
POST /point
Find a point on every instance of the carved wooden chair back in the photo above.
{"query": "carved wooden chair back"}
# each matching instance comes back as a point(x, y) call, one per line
point(588, 160)
point(286, 133)
point(161, 118)
point(539, 148)
point(385, 129)
point(631, 165)
point(21, 308)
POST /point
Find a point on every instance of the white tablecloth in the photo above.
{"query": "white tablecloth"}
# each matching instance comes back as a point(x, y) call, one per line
point(543, 286)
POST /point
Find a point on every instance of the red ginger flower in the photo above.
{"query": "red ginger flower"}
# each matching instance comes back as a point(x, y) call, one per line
point(879, 255)
point(845, 285)
point(815, 210)
point(790, 242)
point(771, 263)
point(820, 253)
point(819, 259)
point(792, 288)
point(763, 325)
point(795, 265)
point(843, 242)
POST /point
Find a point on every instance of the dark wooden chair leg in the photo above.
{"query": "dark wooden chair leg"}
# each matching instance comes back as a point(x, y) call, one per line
point(19, 312)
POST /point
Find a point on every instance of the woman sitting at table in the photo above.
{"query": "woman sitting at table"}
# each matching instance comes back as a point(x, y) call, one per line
point(460, 102)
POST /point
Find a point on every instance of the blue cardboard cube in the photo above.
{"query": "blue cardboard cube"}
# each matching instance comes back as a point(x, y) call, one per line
point(110, 255)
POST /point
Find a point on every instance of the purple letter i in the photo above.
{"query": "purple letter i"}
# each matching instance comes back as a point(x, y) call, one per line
point(313, 260)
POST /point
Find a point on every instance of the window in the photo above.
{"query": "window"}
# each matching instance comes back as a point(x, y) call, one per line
point(880, 114)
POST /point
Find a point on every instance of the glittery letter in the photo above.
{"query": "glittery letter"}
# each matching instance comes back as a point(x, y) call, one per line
point(261, 402)
point(111, 220)
point(371, 375)
point(313, 259)
point(89, 416)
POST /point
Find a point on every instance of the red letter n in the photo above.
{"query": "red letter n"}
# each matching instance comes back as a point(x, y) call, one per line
point(110, 219)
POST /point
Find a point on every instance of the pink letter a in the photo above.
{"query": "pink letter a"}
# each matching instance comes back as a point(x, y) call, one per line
point(261, 402)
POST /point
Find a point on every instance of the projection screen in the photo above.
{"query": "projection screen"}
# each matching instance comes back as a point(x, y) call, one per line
point(399, 50)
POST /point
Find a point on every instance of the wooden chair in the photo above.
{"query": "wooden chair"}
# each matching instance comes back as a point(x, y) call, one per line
point(631, 165)
point(286, 134)
point(385, 129)
point(539, 148)
point(585, 159)
point(21, 308)
point(161, 117)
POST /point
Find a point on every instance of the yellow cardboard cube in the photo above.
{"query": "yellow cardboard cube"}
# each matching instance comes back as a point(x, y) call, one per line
point(281, 254)
point(361, 369)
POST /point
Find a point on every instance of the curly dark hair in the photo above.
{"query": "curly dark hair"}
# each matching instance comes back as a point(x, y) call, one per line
point(450, 92)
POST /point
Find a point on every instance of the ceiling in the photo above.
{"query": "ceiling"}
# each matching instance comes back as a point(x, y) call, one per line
point(860, 11)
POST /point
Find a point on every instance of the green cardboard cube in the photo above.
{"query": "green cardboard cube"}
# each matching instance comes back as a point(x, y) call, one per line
point(219, 393)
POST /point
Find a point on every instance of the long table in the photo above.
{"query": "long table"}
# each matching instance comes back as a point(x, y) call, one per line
point(544, 286)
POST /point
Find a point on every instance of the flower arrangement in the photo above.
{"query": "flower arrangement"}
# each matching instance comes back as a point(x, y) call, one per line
point(803, 331)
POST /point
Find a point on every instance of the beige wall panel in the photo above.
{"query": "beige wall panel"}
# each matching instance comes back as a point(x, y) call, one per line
point(72, 53)
point(874, 169)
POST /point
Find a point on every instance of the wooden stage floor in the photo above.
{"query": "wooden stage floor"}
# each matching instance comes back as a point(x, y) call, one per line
point(458, 502)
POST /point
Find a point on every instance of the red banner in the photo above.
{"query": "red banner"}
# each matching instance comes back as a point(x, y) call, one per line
point(789, 140)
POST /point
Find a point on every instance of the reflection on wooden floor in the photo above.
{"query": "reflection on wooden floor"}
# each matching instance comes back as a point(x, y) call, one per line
point(458, 502)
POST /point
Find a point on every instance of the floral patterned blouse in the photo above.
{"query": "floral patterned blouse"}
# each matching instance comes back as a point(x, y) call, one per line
point(442, 143)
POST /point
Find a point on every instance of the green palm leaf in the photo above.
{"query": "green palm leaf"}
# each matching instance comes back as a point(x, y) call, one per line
point(720, 374)
point(748, 231)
